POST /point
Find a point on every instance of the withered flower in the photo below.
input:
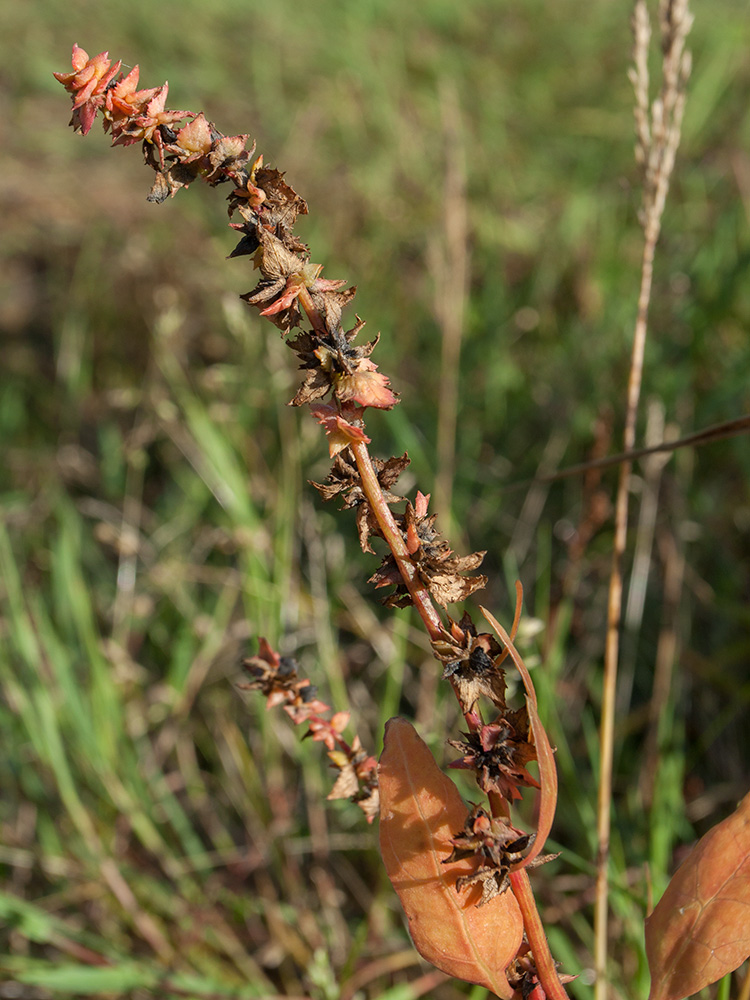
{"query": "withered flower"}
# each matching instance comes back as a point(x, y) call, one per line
point(344, 481)
point(281, 203)
point(358, 778)
point(524, 978)
point(496, 844)
point(443, 573)
point(277, 678)
point(88, 85)
point(472, 664)
point(283, 277)
point(123, 99)
point(196, 150)
point(498, 754)
point(334, 363)
point(341, 426)
point(146, 121)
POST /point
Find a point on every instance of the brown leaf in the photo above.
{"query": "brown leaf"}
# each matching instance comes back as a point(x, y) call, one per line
point(367, 525)
point(159, 191)
point(700, 929)
point(389, 471)
point(315, 386)
point(420, 808)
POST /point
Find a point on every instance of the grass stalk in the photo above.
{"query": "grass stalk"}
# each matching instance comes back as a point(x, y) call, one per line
point(657, 139)
point(612, 646)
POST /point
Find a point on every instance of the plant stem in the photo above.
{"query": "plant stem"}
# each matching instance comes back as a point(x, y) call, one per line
point(614, 615)
point(536, 937)
point(395, 540)
point(657, 140)
point(422, 600)
point(372, 490)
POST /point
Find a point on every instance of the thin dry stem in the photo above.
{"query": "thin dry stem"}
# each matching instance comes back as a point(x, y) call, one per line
point(716, 432)
point(655, 150)
point(614, 612)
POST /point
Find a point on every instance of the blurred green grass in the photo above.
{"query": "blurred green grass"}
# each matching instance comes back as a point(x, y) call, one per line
point(160, 835)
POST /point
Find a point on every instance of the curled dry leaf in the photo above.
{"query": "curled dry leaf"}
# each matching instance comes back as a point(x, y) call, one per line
point(700, 929)
point(545, 753)
point(420, 810)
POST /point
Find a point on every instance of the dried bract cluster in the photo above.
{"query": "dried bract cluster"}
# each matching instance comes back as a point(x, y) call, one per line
point(277, 677)
point(499, 848)
point(496, 843)
point(340, 382)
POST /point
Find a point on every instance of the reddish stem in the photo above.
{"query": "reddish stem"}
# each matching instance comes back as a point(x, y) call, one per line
point(419, 593)
point(423, 602)
point(372, 490)
point(536, 937)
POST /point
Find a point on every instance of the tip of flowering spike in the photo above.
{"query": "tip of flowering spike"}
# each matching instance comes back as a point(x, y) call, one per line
point(80, 57)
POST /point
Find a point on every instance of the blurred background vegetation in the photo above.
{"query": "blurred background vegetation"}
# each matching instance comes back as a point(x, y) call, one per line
point(469, 166)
